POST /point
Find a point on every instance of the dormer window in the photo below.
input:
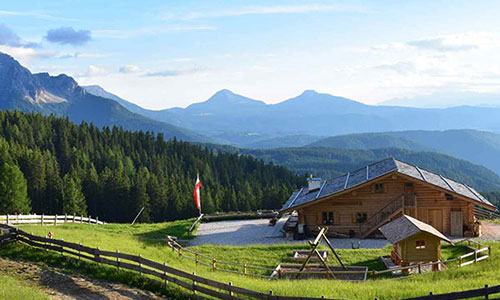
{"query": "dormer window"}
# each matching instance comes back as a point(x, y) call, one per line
point(378, 188)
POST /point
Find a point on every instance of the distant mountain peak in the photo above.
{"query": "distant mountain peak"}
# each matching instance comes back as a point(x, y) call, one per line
point(309, 93)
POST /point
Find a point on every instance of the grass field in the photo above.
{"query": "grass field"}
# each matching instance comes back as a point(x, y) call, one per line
point(145, 239)
point(13, 289)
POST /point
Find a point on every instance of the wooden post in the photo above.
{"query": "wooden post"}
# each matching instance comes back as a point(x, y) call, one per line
point(460, 261)
point(55, 220)
point(231, 292)
point(489, 250)
point(430, 293)
point(97, 255)
point(486, 290)
point(97, 220)
point(245, 269)
point(80, 243)
point(196, 258)
point(194, 284)
point(166, 274)
point(65, 218)
point(90, 217)
point(7, 219)
point(81, 219)
point(118, 260)
point(73, 218)
point(475, 256)
point(419, 268)
point(271, 292)
point(62, 248)
point(179, 250)
point(214, 264)
point(140, 265)
point(41, 222)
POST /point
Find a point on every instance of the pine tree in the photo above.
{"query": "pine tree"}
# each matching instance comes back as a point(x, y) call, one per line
point(13, 190)
point(72, 197)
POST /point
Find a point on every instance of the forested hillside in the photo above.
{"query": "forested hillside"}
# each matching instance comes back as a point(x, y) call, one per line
point(111, 173)
point(328, 163)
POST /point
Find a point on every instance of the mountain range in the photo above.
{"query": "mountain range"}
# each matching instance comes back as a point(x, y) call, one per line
point(62, 96)
point(245, 122)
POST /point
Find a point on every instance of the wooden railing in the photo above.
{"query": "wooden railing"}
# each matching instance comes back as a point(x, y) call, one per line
point(47, 220)
point(192, 282)
point(385, 213)
point(482, 213)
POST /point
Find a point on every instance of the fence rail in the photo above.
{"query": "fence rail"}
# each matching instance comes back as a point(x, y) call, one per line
point(47, 220)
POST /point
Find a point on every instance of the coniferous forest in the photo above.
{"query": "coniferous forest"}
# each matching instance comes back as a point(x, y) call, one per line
point(49, 165)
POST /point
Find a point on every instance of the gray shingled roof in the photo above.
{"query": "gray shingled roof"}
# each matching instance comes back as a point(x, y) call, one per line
point(374, 171)
point(405, 227)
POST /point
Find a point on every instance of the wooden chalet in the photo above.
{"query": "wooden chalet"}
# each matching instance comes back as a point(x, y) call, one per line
point(414, 241)
point(360, 202)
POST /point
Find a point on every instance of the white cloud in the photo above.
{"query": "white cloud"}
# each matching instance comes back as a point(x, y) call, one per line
point(280, 9)
point(93, 71)
point(33, 15)
point(126, 34)
point(130, 69)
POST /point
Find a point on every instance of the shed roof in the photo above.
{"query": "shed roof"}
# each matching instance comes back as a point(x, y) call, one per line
point(376, 170)
point(405, 227)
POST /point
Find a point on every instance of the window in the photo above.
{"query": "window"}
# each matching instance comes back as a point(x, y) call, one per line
point(420, 245)
point(361, 217)
point(448, 197)
point(379, 188)
point(327, 218)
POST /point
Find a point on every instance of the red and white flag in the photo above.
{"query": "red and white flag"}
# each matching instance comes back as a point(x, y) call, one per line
point(196, 193)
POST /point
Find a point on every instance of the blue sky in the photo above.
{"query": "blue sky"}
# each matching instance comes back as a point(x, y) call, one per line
point(160, 54)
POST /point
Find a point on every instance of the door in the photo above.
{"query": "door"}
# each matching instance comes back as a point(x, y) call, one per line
point(436, 219)
point(457, 228)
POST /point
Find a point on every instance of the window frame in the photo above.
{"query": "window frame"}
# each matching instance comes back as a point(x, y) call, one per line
point(361, 217)
point(379, 188)
point(420, 244)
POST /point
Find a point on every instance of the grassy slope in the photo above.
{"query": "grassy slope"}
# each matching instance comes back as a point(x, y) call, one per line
point(13, 289)
point(143, 239)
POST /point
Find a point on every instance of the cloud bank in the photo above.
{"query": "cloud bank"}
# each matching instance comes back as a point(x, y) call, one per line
point(68, 35)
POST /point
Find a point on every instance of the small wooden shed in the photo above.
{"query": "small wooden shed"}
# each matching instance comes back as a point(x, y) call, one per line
point(414, 241)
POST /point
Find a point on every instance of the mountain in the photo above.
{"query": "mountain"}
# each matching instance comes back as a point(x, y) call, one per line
point(329, 163)
point(61, 95)
point(445, 99)
point(479, 147)
point(298, 140)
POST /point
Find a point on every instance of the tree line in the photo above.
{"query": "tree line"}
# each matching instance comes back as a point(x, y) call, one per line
point(49, 165)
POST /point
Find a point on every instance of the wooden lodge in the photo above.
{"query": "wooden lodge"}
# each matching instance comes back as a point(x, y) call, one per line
point(414, 241)
point(360, 202)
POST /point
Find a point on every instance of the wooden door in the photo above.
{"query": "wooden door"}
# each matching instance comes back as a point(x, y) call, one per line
point(436, 219)
point(456, 220)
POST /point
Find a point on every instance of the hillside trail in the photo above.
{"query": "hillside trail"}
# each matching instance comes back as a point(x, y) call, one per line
point(62, 286)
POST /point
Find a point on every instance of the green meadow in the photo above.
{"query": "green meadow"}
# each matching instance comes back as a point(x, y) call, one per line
point(149, 241)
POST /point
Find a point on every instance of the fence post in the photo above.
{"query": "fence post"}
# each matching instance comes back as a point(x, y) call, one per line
point(245, 269)
point(179, 250)
point(118, 260)
point(489, 250)
point(62, 248)
point(430, 293)
point(486, 291)
point(97, 220)
point(65, 218)
point(7, 219)
point(140, 265)
point(41, 222)
point(270, 292)
point(90, 217)
point(194, 284)
point(55, 220)
point(73, 218)
point(166, 274)
point(460, 261)
point(97, 255)
point(196, 258)
point(231, 292)
point(80, 244)
point(214, 264)
point(81, 219)
point(475, 256)
point(419, 268)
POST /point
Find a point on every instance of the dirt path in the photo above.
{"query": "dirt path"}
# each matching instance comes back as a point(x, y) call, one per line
point(62, 286)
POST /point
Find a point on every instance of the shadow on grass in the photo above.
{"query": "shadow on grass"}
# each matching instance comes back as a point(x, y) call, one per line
point(94, 270)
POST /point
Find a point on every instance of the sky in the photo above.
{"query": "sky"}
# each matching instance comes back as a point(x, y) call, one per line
point(161, 54)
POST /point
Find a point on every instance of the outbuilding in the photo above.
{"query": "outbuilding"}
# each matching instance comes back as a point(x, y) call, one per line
point(414, 241)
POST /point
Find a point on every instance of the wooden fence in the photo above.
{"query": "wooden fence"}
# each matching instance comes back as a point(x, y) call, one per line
point(196, 284)
point(47, 220)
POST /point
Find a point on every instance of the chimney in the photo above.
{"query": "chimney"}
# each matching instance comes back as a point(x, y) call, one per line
point(314, 183)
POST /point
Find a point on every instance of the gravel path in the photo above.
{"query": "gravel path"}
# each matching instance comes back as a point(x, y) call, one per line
point(257, 232)
point(490, 231)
